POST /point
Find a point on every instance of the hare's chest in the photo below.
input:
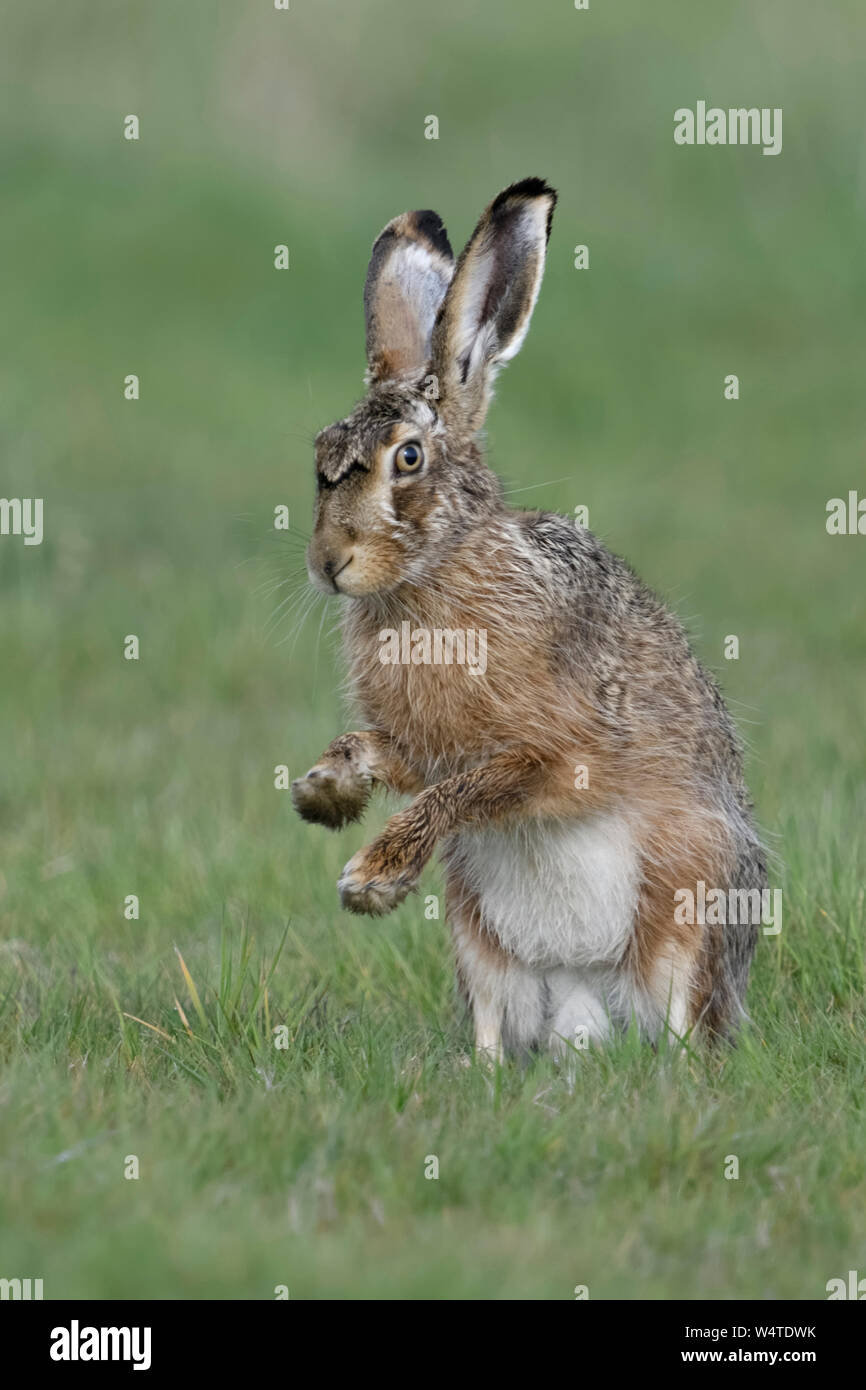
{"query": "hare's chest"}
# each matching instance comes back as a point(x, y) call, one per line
point(554, 893)
point(433, 697)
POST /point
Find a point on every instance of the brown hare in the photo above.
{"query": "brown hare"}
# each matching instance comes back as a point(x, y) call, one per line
point(590, 772)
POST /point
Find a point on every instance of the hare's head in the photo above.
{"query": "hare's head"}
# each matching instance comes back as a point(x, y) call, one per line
point(402, 478)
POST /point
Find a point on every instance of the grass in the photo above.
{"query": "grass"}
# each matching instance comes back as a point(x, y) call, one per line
point(304, 1165)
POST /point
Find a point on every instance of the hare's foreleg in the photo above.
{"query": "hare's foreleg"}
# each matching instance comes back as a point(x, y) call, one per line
point(381, 874)
point(337, 788)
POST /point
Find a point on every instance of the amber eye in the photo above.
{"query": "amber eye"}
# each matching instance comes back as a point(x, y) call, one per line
point(409, 457)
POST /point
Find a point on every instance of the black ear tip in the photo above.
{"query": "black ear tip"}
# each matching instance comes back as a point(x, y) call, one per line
point(431, 226)
point(524, 189)
point(532, 188)
point(527, 188)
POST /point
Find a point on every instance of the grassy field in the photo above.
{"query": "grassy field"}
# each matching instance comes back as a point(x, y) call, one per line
point(305, 1166)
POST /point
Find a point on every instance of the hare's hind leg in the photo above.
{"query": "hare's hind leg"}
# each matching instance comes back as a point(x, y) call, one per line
point(487, 1018)
point(509, 1001)
point(669, 972)
point(579, 1012)
point(728, 950)
point(658, 981)
point(664, 999)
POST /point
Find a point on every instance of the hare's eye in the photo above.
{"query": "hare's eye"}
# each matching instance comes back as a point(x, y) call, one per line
point(408, 458)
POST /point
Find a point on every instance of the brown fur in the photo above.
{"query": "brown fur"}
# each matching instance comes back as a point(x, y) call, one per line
point(584, 665)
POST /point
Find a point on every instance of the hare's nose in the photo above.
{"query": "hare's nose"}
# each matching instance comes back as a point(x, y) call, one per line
point(331, 568)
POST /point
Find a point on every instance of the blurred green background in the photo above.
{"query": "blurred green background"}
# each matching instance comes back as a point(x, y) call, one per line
point(304, 1167)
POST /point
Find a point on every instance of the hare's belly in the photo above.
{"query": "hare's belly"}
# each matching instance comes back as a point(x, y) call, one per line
point(554, 893)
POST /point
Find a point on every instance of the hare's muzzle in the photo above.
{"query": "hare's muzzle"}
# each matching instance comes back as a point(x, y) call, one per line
point(325, 565)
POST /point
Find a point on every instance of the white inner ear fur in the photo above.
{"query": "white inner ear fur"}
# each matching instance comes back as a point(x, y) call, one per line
point(528, 232)
point(532, 231)
point(415, 280)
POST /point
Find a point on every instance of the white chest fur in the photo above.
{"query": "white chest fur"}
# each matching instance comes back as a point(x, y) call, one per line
point(554, 892)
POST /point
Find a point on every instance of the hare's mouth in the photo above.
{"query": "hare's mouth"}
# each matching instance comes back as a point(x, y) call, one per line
point(336, 573)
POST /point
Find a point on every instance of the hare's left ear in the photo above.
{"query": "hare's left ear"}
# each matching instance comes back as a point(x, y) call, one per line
point(485, 315)
point(410, 270)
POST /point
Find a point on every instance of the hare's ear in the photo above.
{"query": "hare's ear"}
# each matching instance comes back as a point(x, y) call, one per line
point(485, 315)
point(410, 270)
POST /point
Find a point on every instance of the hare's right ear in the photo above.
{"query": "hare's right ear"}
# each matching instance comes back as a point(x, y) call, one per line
point(485, 315)
point(410, 270)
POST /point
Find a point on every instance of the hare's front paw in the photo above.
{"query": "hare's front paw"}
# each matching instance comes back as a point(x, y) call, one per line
point(332, 793)
point(369, 885)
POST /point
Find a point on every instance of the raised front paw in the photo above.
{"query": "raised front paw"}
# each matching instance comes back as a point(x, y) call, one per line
point(368, 884)
point(336, 790)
